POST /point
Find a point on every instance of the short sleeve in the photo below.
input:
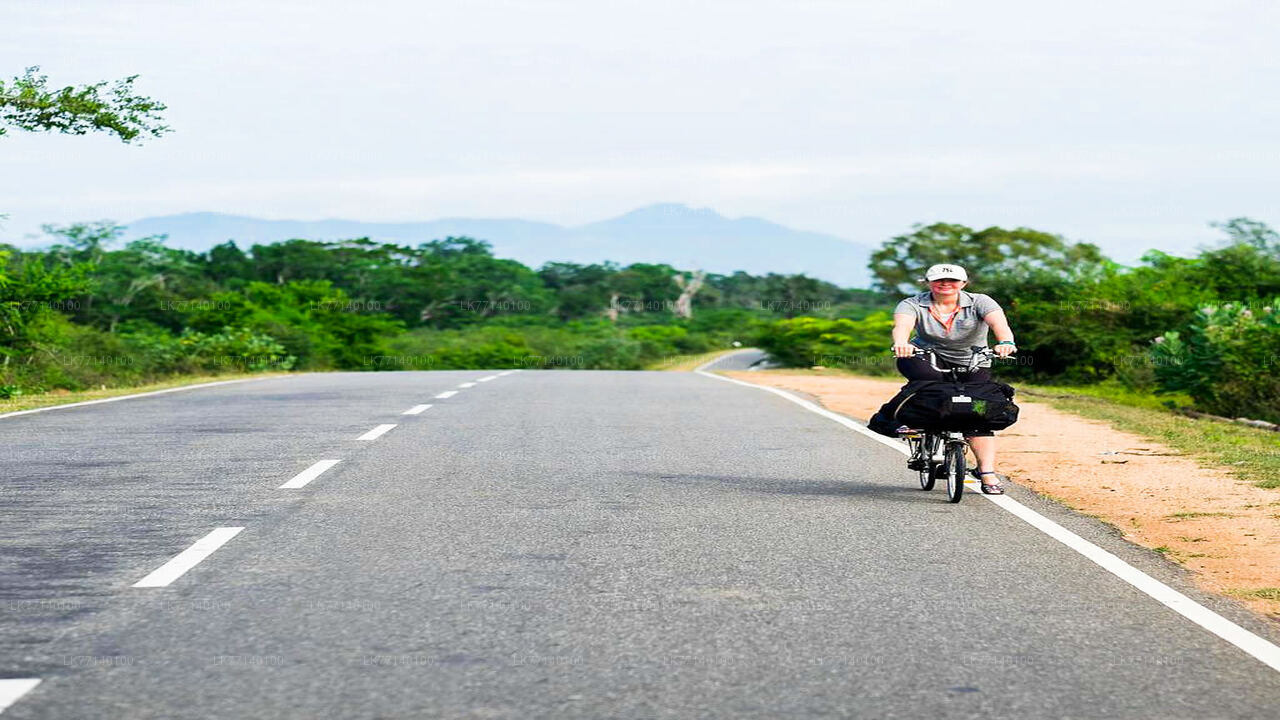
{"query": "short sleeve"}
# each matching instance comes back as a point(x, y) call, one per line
point(984, 304)
point(905, 308)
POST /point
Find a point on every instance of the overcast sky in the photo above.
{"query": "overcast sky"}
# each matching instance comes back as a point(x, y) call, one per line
point(1131, 124)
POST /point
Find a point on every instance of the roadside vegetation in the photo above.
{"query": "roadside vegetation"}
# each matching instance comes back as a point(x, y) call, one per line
point(1201, 332)
point(91, 310)
point(65, 397)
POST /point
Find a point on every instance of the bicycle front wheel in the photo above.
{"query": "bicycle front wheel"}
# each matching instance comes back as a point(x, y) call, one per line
point(927, 445)
point(954, 464)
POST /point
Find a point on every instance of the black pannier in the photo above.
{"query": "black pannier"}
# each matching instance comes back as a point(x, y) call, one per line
point(945, 405)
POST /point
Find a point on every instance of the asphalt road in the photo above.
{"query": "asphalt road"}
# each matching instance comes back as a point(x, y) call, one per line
point(744, 359)
point(557, 544)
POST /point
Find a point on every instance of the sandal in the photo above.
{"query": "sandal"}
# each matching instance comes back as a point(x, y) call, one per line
point(991, 488)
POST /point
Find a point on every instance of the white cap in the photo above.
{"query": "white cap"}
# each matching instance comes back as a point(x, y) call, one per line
point(938, 272)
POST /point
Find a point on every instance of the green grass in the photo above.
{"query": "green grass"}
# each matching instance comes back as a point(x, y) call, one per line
point(1189, 515)
point(1251, 454)
point(1113, 392)
point(32, 402)
point(1267, 593)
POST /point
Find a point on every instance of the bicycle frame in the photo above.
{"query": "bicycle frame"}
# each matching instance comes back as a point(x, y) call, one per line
point(953, 444)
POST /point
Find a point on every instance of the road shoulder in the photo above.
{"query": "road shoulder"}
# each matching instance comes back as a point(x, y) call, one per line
point(43, 401)
point(1220, 528)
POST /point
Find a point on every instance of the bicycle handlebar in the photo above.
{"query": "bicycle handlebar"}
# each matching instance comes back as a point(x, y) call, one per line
point(977, 350)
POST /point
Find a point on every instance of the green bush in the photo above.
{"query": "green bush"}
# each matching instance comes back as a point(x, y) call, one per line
point(238, 348)
point(586, 344)
point(861, 345)
point(77, 357)
point(1227, 359)
point(659, 340)
point(317, 324)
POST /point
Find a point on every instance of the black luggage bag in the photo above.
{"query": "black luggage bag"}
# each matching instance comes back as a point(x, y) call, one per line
point(939, 405)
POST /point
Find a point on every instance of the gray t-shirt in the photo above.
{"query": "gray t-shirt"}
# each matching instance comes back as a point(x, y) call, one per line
point(967, 330)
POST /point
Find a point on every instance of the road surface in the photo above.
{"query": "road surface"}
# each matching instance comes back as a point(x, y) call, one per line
point(554, 544)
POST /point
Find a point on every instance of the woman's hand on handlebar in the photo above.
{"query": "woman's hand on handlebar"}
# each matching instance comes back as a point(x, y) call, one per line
point(905, 350)
point(1005, 351)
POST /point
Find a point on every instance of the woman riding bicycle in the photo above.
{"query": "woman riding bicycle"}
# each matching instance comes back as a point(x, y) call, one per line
point(950, 321)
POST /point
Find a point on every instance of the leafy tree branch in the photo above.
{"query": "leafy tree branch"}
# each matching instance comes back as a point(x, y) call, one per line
point(27, 103)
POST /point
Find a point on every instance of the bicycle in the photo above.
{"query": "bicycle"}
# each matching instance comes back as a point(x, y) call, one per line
point(925, 444)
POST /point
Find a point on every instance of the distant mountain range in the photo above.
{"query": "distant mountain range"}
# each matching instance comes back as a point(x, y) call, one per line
point(684, 237)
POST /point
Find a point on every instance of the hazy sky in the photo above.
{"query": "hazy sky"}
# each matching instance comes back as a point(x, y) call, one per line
point(1128, 123)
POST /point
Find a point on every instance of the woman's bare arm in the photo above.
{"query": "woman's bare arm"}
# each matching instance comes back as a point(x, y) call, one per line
point(999, 325)
point(902, 326)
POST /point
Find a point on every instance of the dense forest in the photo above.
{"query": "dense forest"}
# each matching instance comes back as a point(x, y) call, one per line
point(85, 312)
point(91, 310)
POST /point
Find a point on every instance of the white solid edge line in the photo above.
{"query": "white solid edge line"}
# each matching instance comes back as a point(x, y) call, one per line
point(852, 425)
point(415, 410)
point(128, 397)
point(487, 378)
point(11, 689)
point(376, 433)
point(447, 394)
point(188, 558)
point(1258, 647)
point(306, 476)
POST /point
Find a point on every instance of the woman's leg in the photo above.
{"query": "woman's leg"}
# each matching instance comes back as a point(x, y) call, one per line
point(917, 368)
point(984, 446)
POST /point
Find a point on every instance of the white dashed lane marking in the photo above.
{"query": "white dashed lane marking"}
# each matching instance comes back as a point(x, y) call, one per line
point(188, 558)
point(311, 473)
point(14, 688)
point(376, 433)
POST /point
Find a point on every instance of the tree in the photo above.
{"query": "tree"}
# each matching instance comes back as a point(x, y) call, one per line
point(136, 282)
point(227, 264)
point(794, 295)
point(581, 290)
point(1246, 231)
point(27, 103)
point(1246, 267)
point(688, 288)
point(29, 289)
point(86, 242)
point(991, 256)
point(645, 287)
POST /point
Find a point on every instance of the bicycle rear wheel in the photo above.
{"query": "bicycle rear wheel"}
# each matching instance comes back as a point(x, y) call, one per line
point(919, 459)
point(954, 467)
